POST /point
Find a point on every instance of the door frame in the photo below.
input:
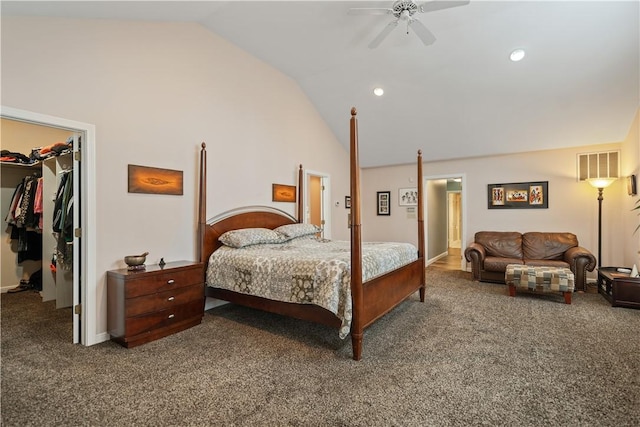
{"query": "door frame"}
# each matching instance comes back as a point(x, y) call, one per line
point(325, 180)
point(84, 319)
point(463, 198)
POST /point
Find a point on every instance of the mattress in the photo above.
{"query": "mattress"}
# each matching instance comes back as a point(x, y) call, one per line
point(305, 270)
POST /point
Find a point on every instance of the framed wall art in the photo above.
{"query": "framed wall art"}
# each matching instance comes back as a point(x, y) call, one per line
point(519, 195)
point(407, 196)
point(144, 179)
point(283, 193)
point(384, 202)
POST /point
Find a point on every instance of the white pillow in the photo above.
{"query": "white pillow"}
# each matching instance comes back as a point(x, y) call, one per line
point(296, 230)
point(249, 236)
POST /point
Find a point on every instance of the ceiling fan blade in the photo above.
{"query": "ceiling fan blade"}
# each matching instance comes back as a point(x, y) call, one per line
point(439, 5)
point(422, 32)
point(369, 11)
point(385, 32)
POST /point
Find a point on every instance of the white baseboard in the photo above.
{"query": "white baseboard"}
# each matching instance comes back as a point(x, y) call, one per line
point(101, 337)
point(437, 257)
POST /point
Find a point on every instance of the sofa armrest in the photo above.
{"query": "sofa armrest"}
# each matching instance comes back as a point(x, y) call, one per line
point(580, 261)
point(475, 254)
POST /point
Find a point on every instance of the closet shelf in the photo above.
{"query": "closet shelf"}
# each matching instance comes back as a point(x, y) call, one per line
point(12, 165)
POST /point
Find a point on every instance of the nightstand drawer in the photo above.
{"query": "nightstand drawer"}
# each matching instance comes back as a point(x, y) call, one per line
point(163, 300)
point(164, 318)
point(163, 282)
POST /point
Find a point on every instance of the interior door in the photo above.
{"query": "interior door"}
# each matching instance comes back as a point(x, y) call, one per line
point(317, 197)
point(315, 201)
point(77, 241)
point(454, 219)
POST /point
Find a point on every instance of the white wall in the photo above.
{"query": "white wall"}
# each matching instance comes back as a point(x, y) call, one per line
point(155, 91)
point(399, 226)
point(573, 206)
point(631, 166)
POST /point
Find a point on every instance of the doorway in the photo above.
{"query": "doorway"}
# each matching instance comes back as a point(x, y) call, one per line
point(83, 296)
point(445, 221)
point(316, 196)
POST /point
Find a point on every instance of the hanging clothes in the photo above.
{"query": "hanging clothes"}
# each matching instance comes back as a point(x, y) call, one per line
point(63, 221)
point(24, 221)
point(38, 207)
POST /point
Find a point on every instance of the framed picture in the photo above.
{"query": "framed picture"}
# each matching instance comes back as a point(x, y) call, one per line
point(519, 195)
point(407, 196)
point(384, 203)
point(347, 202)
point(144, 179)
point(283, 193)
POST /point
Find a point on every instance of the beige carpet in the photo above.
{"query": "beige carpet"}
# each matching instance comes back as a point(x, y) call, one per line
point(470, 355)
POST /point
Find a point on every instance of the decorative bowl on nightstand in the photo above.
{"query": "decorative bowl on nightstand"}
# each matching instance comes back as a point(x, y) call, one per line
point(136, 262)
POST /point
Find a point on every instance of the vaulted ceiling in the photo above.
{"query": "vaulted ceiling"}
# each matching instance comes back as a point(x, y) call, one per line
point(578, 84)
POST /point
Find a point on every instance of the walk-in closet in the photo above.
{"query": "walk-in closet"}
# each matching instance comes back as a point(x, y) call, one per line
point(37, 211)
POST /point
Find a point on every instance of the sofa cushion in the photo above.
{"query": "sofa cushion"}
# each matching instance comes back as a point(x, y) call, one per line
point(502, 244)
point(492, 263)
point(546, 263)
point(537, 245)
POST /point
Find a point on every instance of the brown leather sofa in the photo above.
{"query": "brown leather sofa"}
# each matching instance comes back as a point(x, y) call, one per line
point(492, 251)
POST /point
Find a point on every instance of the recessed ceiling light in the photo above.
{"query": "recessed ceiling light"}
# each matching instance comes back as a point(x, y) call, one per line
point(378, 91)
point(517, 55)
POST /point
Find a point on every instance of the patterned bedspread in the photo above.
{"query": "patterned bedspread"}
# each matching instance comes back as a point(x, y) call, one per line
point(304, 270)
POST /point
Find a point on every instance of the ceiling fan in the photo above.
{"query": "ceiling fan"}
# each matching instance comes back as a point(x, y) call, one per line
point(403, 10)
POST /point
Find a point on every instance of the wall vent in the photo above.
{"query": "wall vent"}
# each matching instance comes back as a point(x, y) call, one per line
point(604, 164)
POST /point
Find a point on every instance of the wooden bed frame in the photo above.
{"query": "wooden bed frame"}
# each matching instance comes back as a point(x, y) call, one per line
point(371, 300)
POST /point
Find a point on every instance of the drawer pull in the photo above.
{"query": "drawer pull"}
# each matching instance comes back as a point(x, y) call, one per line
point(170, 282)
point(171, 316)
point(171, 298)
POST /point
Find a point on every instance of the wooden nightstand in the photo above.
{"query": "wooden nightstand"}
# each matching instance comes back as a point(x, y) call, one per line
point(145, 305)
point(618, 288)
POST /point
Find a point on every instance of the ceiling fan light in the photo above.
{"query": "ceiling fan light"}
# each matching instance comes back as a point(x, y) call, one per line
point(517, 55)
point(378, 91)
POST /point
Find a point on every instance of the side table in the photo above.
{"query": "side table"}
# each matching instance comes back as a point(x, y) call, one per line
point(618, 288)
point(145, 305)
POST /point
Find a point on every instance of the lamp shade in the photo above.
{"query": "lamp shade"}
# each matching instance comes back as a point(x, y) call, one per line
point(601, 182)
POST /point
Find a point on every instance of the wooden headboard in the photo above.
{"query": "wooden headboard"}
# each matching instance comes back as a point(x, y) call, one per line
point(246, 217)
point(249, 217)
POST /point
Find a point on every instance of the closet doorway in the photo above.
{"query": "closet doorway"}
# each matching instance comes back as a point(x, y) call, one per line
point(316, 199)
point(78, 163)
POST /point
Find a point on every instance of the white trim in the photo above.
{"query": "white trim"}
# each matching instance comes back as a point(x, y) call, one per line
point(89, 280)
point(436, 258)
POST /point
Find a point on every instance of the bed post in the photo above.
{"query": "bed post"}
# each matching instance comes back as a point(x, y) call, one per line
point(421, 253)
point(300, 201)
point(202, 203)
point(356, 244)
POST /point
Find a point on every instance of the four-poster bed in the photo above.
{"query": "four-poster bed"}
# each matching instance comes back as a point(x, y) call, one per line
point(370, 297)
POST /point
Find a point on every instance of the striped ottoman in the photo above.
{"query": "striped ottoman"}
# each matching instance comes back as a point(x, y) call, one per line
point(539, 279)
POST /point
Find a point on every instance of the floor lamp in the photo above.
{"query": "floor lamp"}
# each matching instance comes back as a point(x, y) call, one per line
point(600, 184)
